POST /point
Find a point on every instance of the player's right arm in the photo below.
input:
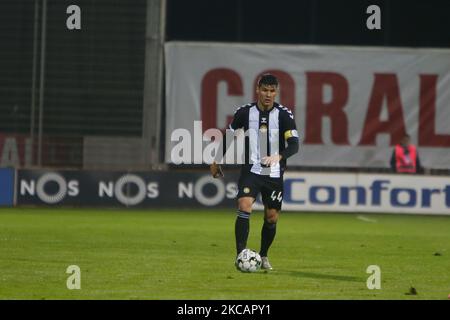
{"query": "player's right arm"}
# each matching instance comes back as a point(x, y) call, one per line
point(216, 170)
point(236, 123)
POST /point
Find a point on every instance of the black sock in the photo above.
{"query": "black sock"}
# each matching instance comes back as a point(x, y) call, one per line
point(241, 229)
point(268, 232)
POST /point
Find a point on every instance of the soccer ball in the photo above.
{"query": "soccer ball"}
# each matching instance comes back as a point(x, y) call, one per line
point(248, 260)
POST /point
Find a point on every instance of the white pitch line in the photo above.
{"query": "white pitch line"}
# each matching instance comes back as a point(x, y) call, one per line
point(366, 219)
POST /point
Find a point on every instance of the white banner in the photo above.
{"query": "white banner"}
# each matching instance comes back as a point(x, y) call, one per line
point(351, 104)
point(388, 193)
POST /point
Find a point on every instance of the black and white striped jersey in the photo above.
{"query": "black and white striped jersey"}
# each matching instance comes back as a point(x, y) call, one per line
point(266, 134)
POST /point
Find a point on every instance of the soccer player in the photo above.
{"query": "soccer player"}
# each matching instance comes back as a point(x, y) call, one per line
point(272, 138)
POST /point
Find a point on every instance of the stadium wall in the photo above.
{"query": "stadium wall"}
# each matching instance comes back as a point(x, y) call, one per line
point(333, 192)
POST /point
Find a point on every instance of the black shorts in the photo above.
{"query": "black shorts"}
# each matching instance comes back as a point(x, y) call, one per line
point(271, 189)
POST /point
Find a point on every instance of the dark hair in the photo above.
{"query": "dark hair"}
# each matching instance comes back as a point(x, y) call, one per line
point(268, 80)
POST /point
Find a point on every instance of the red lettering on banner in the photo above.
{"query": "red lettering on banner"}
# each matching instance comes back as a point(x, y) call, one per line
point(15, 150)
point(427, 114)
point(287, 88)
point(209, 87)
point(316, 108)
point(385, 86)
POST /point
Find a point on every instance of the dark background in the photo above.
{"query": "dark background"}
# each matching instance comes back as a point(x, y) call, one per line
point(94, 77)
point(335, 22)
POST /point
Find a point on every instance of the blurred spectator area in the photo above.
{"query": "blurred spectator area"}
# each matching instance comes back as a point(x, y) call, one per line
point(92, 114)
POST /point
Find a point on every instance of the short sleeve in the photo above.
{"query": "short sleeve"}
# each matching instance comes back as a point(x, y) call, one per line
point(238, 119)
point(288, 124)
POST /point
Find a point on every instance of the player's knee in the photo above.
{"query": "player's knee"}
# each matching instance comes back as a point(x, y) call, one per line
point(272, 216)
point(272, 220)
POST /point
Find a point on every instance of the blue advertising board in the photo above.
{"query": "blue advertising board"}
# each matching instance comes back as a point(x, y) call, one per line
point(6, 187)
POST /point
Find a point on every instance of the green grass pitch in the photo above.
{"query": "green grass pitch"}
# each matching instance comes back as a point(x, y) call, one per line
point(189, 254)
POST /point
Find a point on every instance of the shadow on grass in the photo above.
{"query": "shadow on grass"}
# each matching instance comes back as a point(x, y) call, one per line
point(304, 274)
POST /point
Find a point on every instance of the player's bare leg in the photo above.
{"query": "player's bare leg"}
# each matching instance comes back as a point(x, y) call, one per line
point(246, 204)
point(242, 225)
point(268, 232)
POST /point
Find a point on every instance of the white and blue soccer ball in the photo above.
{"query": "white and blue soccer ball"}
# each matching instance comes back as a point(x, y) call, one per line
point(248, 260)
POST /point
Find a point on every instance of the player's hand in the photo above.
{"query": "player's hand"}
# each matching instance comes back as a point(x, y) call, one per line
point(216, 170)
point(271, 160)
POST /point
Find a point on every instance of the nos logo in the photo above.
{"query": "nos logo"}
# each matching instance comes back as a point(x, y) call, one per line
point(123, 193)
point(51, 188)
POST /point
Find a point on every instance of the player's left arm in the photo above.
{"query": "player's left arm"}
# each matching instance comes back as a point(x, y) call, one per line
point(292, 147)
point(290, 136)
